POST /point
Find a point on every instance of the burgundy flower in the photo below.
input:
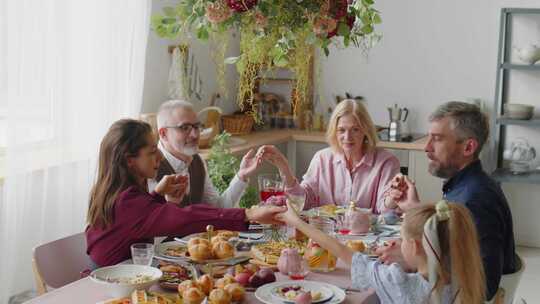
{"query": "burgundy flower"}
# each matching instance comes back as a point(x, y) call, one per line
point(241, 6)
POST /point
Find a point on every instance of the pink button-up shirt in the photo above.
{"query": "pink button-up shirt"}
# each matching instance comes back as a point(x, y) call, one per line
point(328, 181)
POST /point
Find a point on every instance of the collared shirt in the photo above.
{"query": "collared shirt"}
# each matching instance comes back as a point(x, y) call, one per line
point(329, 181)
point(228, 199)
point(490, 211)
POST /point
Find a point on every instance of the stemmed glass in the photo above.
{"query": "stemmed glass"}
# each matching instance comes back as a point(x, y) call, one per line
point(270, 185)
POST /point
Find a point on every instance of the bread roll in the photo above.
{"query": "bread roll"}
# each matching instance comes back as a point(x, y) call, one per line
point(193, 296)
point(200, 252)
point(227, 234)
point(219, 296)
point(185, 285)
point(206, 283)
point(227, 279)
point(236, 291)
point(218, 238)
point(356, 245)
point(196, 241)
point(223, 250)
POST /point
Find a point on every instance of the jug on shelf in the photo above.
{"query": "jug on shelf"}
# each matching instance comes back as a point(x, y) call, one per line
point(394, 128)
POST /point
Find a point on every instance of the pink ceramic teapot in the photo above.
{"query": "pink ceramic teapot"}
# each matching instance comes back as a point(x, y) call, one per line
point(289, 261)
point(359, 219)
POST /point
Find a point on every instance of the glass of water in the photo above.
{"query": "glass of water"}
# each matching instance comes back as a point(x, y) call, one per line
point(142, 253)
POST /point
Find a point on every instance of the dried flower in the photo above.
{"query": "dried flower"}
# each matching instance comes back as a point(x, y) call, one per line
point(240, 6)
point(218, 11)
point(324, 25)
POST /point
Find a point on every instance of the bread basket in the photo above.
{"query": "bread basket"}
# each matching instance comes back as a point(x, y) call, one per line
point(237, 124)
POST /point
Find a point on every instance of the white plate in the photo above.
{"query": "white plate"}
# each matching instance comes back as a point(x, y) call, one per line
point(306, 286)
point(265, 292)
point(159, 251)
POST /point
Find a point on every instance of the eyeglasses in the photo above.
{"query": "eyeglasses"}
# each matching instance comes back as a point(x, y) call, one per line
point(187, 127)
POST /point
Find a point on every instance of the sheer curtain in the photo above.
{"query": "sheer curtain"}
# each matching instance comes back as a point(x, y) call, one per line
point(74, 67)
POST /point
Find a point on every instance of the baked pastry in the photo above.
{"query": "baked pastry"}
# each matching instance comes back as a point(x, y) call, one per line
point(269, 252)
point(227, 279)
point(193, 296)
point(218, 238)
point(236, 291)
point(219, 296)
point(196, 241)
point(227, 234)
point(187, 284)
point(223, 250)
point(206, 283)
point(200, 252)
point(356, 245)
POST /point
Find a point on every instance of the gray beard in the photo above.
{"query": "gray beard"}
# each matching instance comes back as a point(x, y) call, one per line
point(444, 172)
point(190, 150)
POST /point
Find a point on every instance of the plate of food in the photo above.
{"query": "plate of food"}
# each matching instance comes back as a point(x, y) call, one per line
point(175, 273)
point(268, 253)
point(289, 291)
point(198, 250)
point(171, 251)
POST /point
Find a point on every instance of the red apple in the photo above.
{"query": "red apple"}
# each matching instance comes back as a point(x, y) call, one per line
point(243, 278)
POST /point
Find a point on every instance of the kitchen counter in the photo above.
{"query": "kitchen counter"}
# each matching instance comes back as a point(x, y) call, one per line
point(275, 137)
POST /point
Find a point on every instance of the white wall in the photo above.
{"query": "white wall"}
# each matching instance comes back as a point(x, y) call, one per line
point(431, 52)
point(158, 61)
point(437, 51)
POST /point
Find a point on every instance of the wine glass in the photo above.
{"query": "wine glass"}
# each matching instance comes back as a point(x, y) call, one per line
point(270, 185)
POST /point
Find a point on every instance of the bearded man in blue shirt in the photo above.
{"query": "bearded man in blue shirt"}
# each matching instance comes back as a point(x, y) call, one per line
point(457, 134)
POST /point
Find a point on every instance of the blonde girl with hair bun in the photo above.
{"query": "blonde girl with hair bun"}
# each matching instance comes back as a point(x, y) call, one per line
point(440, 244)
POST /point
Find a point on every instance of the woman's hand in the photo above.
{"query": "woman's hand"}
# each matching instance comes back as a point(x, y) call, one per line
point(290, 217)
point(264, 214)
point(391, 253)
point(250, 163)
point(277, 159)
point(174, 185)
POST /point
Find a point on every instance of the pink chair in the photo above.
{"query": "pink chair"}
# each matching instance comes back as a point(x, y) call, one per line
point(60, 262)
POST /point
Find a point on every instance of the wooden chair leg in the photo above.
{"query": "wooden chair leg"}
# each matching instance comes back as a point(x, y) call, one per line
point(40, 285)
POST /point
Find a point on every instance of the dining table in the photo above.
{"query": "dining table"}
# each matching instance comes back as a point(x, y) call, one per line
point(86, 291)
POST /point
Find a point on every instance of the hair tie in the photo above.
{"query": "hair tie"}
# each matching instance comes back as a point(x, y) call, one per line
point(443, 210)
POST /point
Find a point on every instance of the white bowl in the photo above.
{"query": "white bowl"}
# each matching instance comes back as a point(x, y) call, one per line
point(518, 111)
point(106, 277)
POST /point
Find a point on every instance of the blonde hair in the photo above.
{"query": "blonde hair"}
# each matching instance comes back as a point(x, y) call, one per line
point(458, 239)
point(360, 113)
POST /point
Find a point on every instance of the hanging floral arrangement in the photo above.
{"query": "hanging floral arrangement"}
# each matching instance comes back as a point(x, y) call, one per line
point(273, 33)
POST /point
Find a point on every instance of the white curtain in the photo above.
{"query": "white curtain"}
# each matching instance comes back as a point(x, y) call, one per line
point(74, 67)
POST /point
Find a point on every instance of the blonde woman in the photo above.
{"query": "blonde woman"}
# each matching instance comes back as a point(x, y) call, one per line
point(351, 169)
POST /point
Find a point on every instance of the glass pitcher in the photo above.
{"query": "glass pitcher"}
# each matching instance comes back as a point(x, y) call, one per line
point(318, 258)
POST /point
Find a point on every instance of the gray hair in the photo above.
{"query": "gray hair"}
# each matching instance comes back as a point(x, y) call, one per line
point(166, 108)
point(466, 120)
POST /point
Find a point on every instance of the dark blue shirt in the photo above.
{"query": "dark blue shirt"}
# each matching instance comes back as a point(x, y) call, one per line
point(491, 213)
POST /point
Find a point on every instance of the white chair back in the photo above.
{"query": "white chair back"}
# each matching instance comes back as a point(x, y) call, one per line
point(509, 282)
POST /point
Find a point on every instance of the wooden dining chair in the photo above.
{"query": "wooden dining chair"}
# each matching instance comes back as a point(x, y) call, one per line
point(60, 262)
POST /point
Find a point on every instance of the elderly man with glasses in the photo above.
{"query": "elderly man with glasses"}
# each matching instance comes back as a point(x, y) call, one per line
point(179, 131)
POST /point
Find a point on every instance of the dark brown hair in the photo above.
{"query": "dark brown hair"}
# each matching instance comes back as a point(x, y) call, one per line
point(124, 139)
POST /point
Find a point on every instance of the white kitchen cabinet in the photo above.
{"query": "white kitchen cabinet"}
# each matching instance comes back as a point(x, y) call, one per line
point(429, 187)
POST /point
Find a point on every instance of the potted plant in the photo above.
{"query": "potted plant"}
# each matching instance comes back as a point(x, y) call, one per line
point(223, 166)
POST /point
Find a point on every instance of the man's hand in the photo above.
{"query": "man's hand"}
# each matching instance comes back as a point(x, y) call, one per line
point(173, 185)
point(391, 253)
point(249, 164)
point(264, 214)
point(402, 193)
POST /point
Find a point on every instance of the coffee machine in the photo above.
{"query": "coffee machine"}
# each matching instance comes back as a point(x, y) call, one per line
point(395, 126)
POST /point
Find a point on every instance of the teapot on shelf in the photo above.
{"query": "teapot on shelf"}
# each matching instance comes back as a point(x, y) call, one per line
point(528, 54)
point(520, 154)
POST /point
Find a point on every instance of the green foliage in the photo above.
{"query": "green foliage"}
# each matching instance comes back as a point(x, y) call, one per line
point(223, 166)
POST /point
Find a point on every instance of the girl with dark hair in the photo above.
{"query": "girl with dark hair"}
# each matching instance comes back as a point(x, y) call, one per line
point(122, 212)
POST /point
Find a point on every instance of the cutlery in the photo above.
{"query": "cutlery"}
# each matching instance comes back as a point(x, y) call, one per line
point(180, 240)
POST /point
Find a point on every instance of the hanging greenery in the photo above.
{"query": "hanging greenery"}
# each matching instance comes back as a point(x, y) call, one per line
point(274, 33)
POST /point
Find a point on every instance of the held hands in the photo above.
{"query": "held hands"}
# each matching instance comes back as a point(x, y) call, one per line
point(289, 217)
point(264, 214)
point(174, 185)
point(249, 164)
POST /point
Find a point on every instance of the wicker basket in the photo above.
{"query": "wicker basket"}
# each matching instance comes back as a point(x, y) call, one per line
point(237, 124)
